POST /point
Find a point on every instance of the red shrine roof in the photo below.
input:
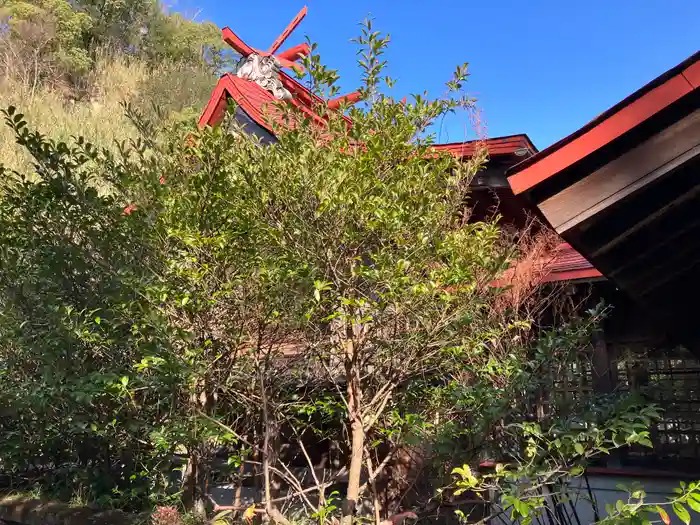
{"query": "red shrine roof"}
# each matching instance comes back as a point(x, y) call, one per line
point(567, 264)
point(519, 145)
point(610, 125)
point(562, 264)
point(248, 95)
point(260, 82)
point(257, 102)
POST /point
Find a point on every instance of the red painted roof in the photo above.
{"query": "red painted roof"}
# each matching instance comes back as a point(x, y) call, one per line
point(256, 101)
point(562, 264)
point(508, 145)
point(569, 265)
point(621, 118)
point(252, 98)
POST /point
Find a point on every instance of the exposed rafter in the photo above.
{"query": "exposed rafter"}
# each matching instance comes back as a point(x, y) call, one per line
point(349, 99)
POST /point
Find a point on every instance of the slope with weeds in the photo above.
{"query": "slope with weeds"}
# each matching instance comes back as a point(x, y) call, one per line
point(100, 119)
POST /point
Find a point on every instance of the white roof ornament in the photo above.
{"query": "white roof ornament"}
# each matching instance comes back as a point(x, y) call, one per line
point(264, 71)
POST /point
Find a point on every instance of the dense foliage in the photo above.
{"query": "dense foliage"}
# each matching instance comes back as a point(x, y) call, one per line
point(56, 41)
point(199, 300)
point(71, 64)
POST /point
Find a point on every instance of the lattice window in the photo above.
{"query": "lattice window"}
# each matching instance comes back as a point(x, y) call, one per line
point(567, 385)
point(575, 382)
point(672, 380)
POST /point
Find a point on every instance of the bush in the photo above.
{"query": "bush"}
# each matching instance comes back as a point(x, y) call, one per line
point(42, 42)
point(147, 301)
point(49, 43)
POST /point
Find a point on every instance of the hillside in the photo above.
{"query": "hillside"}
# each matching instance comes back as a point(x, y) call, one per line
point(101, 120)
point(69, 67)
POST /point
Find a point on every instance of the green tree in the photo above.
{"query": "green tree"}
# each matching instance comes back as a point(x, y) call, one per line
point(174, 38)
point(43, 40)
point(55, 43)
point(118, 25)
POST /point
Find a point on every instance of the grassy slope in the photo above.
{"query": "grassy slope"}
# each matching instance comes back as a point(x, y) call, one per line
point(101, 120)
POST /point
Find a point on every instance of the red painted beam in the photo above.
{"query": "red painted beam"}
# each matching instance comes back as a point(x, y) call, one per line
point(290, 64)
point(350, 99)
point(216, 105)
point(288, 31)
point(608, 130)
point(236, 43)
point(295, 53)
point(244, 49)
point(303, 95)
point(692, 74)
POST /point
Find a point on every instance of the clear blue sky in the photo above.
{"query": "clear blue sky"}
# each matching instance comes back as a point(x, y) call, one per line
point(540, 67)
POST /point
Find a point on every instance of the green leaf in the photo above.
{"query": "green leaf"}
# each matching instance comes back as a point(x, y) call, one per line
point(693, 504)
point(98, 320)
point(645, 442)
point(682, 513)
point(218, 519)
point(185, 300)
point(576, 471)
point(579, 448)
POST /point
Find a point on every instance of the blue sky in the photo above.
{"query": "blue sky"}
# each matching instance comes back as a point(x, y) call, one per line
point(539, 67)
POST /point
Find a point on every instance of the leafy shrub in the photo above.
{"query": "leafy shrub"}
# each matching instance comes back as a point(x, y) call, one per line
point(43, 41)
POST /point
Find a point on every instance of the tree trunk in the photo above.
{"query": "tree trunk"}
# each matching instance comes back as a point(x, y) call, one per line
point(194, 486)
point(375, 494)
point(270, 450)
point(357, 438)
point(266, 446)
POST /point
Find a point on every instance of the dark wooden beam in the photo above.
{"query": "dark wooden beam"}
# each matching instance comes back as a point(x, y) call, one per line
point(685, 261)
point(649, 219)
point(604, 379)
point(669, 245)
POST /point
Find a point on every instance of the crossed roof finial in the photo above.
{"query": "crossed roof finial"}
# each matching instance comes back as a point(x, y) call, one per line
point(285, 58)
point(260, 69)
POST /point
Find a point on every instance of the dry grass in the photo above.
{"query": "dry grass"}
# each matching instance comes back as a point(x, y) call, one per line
point(535, 251)
point(100, 120)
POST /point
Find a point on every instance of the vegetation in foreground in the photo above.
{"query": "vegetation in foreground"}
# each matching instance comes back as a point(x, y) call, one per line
point(236, 312)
